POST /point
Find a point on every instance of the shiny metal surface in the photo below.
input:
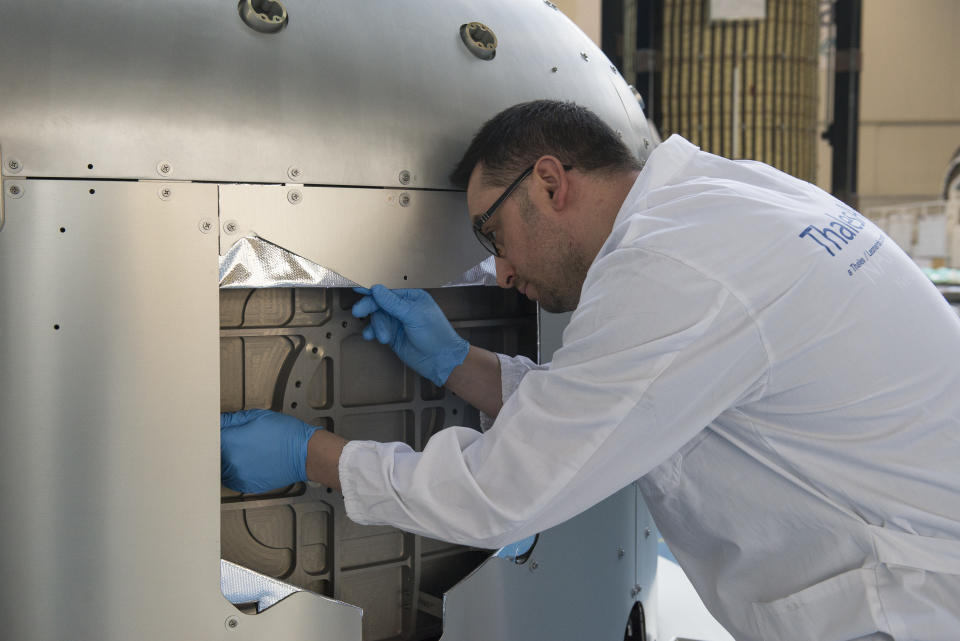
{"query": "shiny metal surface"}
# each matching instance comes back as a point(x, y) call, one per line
point(394, 237)
point(184, 90)
point(577, 584)
point(109, 452)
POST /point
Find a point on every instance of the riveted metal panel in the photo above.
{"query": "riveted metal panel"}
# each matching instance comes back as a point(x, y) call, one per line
point(368, 93)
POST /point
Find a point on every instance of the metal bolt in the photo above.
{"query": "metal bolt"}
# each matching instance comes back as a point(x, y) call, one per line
point(294, 196)
point(534, 566)
point(554, 69)
point(15, 191)
point(620, 553)
point(232, 623)
point(206, 226)
point(164, 168)
point(294, 172)
point(165, 193)
point(551, 5)
point(646, 533)
point(613, 69)
point(646, 142)
point(230, 227)
point(635, 591)
point(404, 199)
point(404, 177)
point(14, 165)
point(583, 54)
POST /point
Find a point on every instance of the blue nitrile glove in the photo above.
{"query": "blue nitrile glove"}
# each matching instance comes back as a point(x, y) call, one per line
point(411, 323)
point(262, 450)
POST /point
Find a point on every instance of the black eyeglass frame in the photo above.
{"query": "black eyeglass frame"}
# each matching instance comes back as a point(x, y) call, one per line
point(487, 239)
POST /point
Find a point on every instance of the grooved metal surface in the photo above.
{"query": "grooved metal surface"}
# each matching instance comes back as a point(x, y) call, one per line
point(300, 351)
point(745, 88)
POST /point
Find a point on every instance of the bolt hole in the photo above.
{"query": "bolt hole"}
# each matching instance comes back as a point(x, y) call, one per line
point(93, 191)
point(293, 405)
point(329, 490)
point(329, 334)
point(63, 230)
point(404, 277)
point(298, 384)
point(56, 327)
point(90, 166)
point(344, 324)
point(315, 350)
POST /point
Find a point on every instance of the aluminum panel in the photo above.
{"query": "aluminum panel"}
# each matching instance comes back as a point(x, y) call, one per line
point(397, 238)
point(381, 94)
point(109, 451)
point(579, 582)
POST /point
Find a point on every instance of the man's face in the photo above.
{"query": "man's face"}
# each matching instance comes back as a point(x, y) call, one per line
point(537, 255)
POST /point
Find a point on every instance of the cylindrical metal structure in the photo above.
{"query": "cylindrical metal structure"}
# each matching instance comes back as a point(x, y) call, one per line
point(138, 142)
point(742, 88)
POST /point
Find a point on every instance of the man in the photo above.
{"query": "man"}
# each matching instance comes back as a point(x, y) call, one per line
point(776, 372)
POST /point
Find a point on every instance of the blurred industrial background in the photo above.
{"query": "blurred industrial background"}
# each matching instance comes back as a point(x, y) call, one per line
point(857, 96)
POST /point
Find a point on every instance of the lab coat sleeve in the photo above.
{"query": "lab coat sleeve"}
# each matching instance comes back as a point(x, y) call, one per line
point(654, 353)
point(512, 371)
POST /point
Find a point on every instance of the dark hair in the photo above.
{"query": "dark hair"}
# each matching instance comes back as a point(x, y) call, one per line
point(515, 138)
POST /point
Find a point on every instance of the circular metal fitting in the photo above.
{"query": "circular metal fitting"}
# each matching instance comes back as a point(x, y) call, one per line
point(164, 168)
point(265, 16)
point(14, 165)
point(15, 191)
point(404, 177)
point(205, 225)
point(294, 173)
point(232, 623)
point(479, 39)
point(554, 69)
point(294, 196)
point(534, 566)
point(230, 227)
point(165, 192)
point(404, 199)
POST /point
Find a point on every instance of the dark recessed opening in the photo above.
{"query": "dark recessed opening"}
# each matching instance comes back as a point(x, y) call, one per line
point(56, 327)
point(90, 166)
point(329, 335)
point(63, 230)
point(93, 191)
point(315, 350)
point(298, 384)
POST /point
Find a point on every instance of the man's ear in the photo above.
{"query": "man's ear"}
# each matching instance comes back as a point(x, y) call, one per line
point(552, 183)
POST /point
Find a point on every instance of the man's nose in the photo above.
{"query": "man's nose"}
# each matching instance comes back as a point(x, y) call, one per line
point(506, 275)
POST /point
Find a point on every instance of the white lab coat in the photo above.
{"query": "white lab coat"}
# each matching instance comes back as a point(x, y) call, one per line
point(782, 377)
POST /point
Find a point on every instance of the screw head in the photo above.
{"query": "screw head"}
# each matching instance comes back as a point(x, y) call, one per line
point(206, 225)
point(164, 167)
point(232, 623)
point(294, 172)
point(230, 227)
point(165, 192)
point(534, 566)
point(635, 591)
point(554, 69)
point(14, 165)
point(404, 177)
point(15, 191)
point(646, 533)
point(620, 553)
point(583, 54)
point(294, 197)
point(404, 199)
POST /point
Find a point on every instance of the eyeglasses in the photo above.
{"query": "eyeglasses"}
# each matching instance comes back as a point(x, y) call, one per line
point(488, 238)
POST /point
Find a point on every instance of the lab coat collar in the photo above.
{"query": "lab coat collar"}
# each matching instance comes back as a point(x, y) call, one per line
point(666, 161)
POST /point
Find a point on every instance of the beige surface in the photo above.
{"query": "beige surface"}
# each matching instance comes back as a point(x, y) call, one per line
point(910, 99)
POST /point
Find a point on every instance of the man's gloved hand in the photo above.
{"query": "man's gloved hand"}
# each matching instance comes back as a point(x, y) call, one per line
point(262, 450)
point(411, 323)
